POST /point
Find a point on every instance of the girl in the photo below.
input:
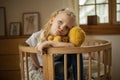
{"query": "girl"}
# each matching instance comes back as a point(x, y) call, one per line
point(59, 24)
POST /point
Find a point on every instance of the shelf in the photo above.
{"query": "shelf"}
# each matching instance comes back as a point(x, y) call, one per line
point(13, 37)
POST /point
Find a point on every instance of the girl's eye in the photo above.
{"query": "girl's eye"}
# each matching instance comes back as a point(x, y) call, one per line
point(60, 22)
point(66, 27)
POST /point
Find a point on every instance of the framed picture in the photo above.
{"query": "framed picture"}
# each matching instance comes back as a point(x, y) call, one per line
point(30, 22)
point(2, 21)
point(14, 28)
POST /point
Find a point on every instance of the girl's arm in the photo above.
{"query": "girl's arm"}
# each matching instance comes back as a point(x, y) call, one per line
point(35, 61)
point(43, 46)
point(32, 41)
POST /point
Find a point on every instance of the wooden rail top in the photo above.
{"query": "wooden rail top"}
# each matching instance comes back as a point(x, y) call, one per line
point(70, 50)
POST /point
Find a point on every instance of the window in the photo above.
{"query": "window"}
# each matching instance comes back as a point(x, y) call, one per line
point(94, 7)
point(118, 10)
point(107, 12)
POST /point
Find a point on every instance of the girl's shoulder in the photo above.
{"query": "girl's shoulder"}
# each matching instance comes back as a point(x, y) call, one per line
point(34, 39)
point(38, 33)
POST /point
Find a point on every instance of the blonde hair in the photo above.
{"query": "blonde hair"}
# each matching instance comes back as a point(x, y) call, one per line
point(47, 26)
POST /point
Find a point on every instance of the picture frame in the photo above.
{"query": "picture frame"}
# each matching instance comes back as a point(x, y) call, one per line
point(2, 21)
point(30, 22)
point(14, 29)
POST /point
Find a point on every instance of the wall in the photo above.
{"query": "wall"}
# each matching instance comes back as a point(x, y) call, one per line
point(15, 9)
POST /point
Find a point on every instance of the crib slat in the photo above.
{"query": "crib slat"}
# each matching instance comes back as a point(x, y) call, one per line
point(26, 62)
point(90, 65)
point(98, 65)
point(65, 67)
point(21, 65)
point(45, 68)
point(109, 63)
point(51, 67)
point(78, 67)
point(105, 64)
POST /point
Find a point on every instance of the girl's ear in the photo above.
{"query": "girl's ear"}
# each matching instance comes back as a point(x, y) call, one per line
point(51, 20)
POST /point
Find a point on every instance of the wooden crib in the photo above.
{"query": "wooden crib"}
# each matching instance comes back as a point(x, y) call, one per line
point(97, 50)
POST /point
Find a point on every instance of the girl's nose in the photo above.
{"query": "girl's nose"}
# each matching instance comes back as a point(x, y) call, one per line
point(62, 27)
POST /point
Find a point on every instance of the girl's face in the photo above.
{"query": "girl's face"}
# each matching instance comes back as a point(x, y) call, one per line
point(61, 24)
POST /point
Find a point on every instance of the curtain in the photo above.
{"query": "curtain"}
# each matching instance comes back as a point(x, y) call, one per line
point(73, 5)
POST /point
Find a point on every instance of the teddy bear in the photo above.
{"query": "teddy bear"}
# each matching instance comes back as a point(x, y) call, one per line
point(76, 36)
point(58, 38)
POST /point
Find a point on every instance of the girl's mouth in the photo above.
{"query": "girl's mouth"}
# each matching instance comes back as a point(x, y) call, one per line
point(59, 32)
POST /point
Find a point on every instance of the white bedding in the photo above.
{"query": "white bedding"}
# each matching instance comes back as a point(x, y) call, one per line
point(38, 74)
point(94, 70)
point(33, 73)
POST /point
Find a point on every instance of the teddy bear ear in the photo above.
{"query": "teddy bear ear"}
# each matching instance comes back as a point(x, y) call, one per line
point(76, 36)
point(50, 38)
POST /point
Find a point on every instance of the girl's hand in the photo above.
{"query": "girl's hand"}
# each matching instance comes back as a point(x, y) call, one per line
point(40, 69)
point(43, 47)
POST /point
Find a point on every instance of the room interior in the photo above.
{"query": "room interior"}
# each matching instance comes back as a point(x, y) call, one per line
point(14, 11)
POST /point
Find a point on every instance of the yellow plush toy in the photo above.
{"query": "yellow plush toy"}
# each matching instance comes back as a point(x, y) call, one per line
point(58, 38)
point(54, 38)
point(76, 36)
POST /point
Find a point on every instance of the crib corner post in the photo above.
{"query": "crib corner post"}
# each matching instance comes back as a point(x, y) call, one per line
point(45, 67)
point(21, 64)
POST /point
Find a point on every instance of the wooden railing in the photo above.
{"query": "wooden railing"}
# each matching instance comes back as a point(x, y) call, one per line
point(99, 50)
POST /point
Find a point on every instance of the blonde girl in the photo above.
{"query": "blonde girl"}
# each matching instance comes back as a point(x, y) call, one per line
point(59, 24)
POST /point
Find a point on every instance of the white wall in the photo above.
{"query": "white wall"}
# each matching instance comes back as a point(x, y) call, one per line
point(15, 9)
